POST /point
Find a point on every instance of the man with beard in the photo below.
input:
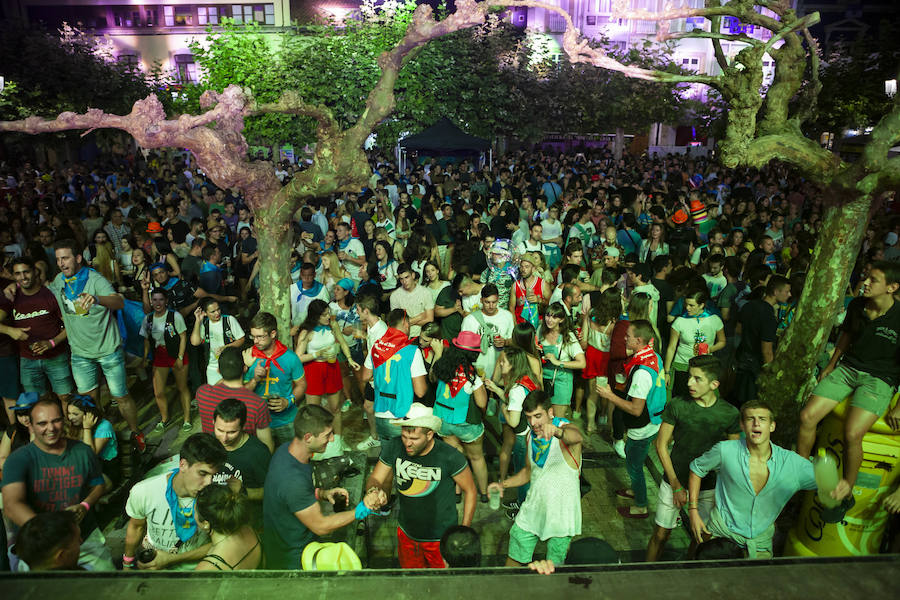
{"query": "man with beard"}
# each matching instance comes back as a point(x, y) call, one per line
point(427, 470)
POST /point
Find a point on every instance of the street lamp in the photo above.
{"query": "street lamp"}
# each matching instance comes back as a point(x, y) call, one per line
point(890, 87)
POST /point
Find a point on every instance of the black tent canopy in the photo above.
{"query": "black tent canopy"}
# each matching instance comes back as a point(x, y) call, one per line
point(444, 138)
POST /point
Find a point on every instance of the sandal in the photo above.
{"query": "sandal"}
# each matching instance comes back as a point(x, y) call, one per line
point(625, 493)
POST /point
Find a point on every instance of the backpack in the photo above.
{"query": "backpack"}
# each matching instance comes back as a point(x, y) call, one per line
point(170, 336)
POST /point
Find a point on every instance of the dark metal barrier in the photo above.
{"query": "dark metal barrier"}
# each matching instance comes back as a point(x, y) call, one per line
point(868, 578)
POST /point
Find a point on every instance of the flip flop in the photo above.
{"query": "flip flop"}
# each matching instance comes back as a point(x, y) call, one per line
point(624, 493)
point(836, 514)
point(625, 511)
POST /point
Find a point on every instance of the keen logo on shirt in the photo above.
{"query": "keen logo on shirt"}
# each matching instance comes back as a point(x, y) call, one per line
point(416, 480)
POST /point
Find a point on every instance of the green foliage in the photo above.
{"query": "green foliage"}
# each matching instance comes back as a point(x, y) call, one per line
point(853, 76)
point(62, 71)
point(488, 79)
point(591, 100)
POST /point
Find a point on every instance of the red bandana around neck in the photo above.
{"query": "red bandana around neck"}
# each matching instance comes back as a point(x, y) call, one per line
point(388, 345)
point(526, 382)
point(273, 358)
point(458, 382)
point(646, 357)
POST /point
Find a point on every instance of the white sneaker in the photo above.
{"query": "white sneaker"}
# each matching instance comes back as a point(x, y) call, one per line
point(619, 447)
point(346, 406)
point(333, 450)
point(368, 444)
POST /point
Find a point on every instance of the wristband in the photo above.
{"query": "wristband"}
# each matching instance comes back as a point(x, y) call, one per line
point(52, 343)
point(681, 489)
point(316, 493)
point(693, 508)
point(362, 511)
point(85, 505)
point(127, 562)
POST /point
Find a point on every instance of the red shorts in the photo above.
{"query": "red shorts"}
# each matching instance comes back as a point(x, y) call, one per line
point(162, 359)
point(418, 555)
point(323, 378)
point(597, 363)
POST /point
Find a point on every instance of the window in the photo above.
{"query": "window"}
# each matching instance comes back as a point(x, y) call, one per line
point(130, 60)
point(178, 16)
point(590, 20)
point(207, 15)
point(126, 18)
point(185, 68)
point(152, 17)
point(264, 14)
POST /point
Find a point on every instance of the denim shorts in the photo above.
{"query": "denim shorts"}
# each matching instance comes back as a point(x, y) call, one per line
point(32, 372)
point(386, 430)
point(465, 432)
point(9, 377)
point(85, 372)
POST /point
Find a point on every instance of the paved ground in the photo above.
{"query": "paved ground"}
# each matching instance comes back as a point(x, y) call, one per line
point(376, 542)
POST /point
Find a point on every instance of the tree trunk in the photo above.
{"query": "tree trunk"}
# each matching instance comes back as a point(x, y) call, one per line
point(788, 380)
point(619, 144)
point(275, 238)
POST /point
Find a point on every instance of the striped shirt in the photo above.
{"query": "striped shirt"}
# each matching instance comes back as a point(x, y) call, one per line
point(209, 397)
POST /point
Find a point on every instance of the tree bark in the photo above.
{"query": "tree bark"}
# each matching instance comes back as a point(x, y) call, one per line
point(787, 381)
point(275, 238)
point(619, 144)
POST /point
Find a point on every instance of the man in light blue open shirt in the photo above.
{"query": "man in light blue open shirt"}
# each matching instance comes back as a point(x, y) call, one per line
point(755, 480)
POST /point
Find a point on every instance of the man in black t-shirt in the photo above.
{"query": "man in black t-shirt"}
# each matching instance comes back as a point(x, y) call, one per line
point(757, 346)
point(696, 424)
point(869, 370)
point(427, 471)
point(248, 458)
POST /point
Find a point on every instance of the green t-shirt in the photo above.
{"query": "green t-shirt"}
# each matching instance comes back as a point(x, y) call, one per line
point(426, 488)
point(95, 334)
point(697, 429)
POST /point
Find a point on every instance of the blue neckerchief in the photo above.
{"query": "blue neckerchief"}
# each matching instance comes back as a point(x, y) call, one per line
point(296, 267)
point(170, 283)
point(184, 518)
point(73, 286)
point(540, 447)
point(311, 292)
point(345, 243)
point(207, 266)
point(321, 328)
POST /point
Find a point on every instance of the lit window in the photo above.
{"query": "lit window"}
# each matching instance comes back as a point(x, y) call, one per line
point(207, 15)
point(185, 68)
point(264, 14)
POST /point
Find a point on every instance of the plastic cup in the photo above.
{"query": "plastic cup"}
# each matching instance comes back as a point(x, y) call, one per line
point(602, 382)
point(620, 378)
point(79, 307)
point(494, 499)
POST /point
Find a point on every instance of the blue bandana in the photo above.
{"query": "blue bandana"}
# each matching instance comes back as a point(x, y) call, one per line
point(73, 286)
point(311, 292)
point(207, 266)
point(540, 448)
point(345, 243)
point(184, 518)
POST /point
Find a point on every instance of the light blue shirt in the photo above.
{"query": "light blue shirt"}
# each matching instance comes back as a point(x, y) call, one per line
point(745, 512)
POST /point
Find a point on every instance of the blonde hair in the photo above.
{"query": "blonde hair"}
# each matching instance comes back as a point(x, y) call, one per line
point(334, 265)
point(103, 261)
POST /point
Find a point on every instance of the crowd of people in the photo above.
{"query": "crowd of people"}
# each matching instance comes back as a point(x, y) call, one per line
point(558, 298)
